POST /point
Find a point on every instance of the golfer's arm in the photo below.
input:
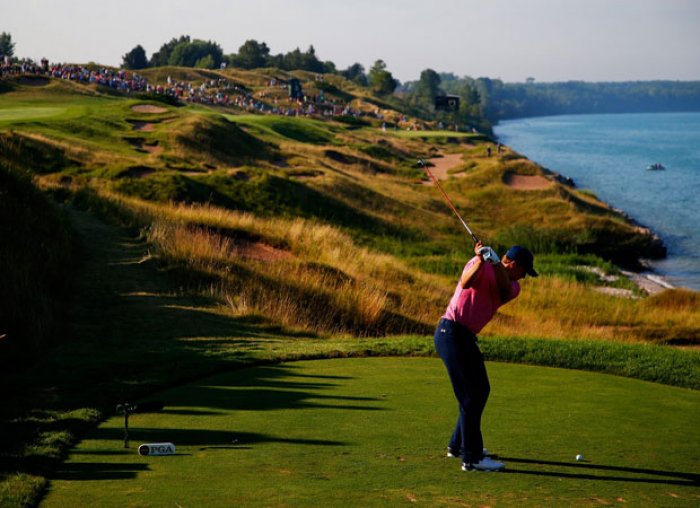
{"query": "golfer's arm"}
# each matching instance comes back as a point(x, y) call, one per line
point(505, 286)
point(469, 276)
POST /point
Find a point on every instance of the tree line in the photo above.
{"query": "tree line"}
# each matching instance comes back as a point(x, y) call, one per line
point(482, 101)
point(500, 101)
point(186, 52)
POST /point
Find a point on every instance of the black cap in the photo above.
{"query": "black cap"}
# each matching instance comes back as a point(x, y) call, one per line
point(524, 258)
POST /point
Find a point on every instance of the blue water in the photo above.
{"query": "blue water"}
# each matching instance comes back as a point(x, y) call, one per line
point(609, 154)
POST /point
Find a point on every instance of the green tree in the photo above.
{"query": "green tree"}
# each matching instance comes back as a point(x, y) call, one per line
point(135, 59)
point(329, 66)
point(251, 55)
point(293, 60)
point(187, 54)
point(429, 84)
point(162, 56)
point(7, 47)
point(427, 88)
point(356, 73)
point(381, 80)
point(206, 62)
point(310, 62)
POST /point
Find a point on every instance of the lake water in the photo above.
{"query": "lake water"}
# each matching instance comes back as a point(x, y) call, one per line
point(609, 154)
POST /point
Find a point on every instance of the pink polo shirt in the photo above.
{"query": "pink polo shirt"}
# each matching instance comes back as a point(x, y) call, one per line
point(473, 307)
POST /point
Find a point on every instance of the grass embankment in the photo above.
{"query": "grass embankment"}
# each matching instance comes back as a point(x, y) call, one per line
point(270, 252)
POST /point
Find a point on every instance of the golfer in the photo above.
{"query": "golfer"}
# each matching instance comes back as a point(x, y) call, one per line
point(485, 285)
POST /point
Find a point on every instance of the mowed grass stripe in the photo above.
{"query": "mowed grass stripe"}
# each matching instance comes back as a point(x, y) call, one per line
point(372, 432)
point(29, 113)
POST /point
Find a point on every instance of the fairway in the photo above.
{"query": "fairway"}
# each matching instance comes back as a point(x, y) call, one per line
point(29, 113)
point(373, 432)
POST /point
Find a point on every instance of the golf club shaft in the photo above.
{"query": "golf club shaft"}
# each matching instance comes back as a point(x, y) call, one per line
point(449, 202)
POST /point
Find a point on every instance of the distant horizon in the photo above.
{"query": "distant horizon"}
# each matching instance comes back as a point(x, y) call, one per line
point(551, 41)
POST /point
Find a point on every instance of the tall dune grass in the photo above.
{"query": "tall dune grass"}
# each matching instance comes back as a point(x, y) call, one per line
point(326, 283)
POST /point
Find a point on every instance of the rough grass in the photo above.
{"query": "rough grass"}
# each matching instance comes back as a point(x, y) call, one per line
point(301, 130)
point(200, 241)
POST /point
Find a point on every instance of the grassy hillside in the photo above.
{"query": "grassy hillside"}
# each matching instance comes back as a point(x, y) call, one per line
point(338, 205)
point(214, 236)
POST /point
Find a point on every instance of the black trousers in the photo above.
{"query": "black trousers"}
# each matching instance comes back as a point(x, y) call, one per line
point(460, 353)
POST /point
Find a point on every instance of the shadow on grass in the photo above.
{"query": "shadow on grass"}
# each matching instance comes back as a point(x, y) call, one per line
point(670, 477)
point(99, 471)
point(205, 439)
point(130, 332)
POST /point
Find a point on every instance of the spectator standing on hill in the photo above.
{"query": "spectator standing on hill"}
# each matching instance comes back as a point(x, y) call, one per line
point(486, 284)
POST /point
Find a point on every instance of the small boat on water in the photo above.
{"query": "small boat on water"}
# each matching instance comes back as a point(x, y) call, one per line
point(656, 166)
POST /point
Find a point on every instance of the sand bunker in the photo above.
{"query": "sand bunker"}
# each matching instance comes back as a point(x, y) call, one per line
point(148, 108)
point(152, 148)
point(142, 126)
point(441, 165)
point(523, 182)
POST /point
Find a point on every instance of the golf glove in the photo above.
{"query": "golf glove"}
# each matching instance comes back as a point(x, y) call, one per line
point(489, 255)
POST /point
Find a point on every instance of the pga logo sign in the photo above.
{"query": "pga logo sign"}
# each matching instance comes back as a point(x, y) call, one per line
point(157, 449)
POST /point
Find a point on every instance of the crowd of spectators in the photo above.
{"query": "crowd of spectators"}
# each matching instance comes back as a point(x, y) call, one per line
point(272, 100)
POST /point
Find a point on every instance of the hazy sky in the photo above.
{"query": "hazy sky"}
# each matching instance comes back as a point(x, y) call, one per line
point(550, 40)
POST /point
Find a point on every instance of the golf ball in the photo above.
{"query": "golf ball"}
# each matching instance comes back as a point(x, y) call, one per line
point(579, 457)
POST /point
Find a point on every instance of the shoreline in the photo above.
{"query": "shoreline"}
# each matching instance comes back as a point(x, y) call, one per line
point(646, 278)
point(613, 165)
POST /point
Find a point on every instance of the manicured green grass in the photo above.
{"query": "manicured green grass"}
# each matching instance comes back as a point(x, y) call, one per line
point(372, 432)
point(29, 113)
point(439, 134)
point(54, 103)
point(302, 130)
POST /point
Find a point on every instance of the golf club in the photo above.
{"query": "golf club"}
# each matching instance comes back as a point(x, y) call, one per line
point(422, 164)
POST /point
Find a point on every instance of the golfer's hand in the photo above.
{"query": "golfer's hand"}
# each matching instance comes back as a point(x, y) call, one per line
point(477, 248)
point(489, 255)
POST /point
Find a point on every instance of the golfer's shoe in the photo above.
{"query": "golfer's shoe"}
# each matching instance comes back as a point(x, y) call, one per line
point(454, 454)
point(485, 464)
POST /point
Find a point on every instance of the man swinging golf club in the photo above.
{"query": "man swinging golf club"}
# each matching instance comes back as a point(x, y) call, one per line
point(486, 284)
